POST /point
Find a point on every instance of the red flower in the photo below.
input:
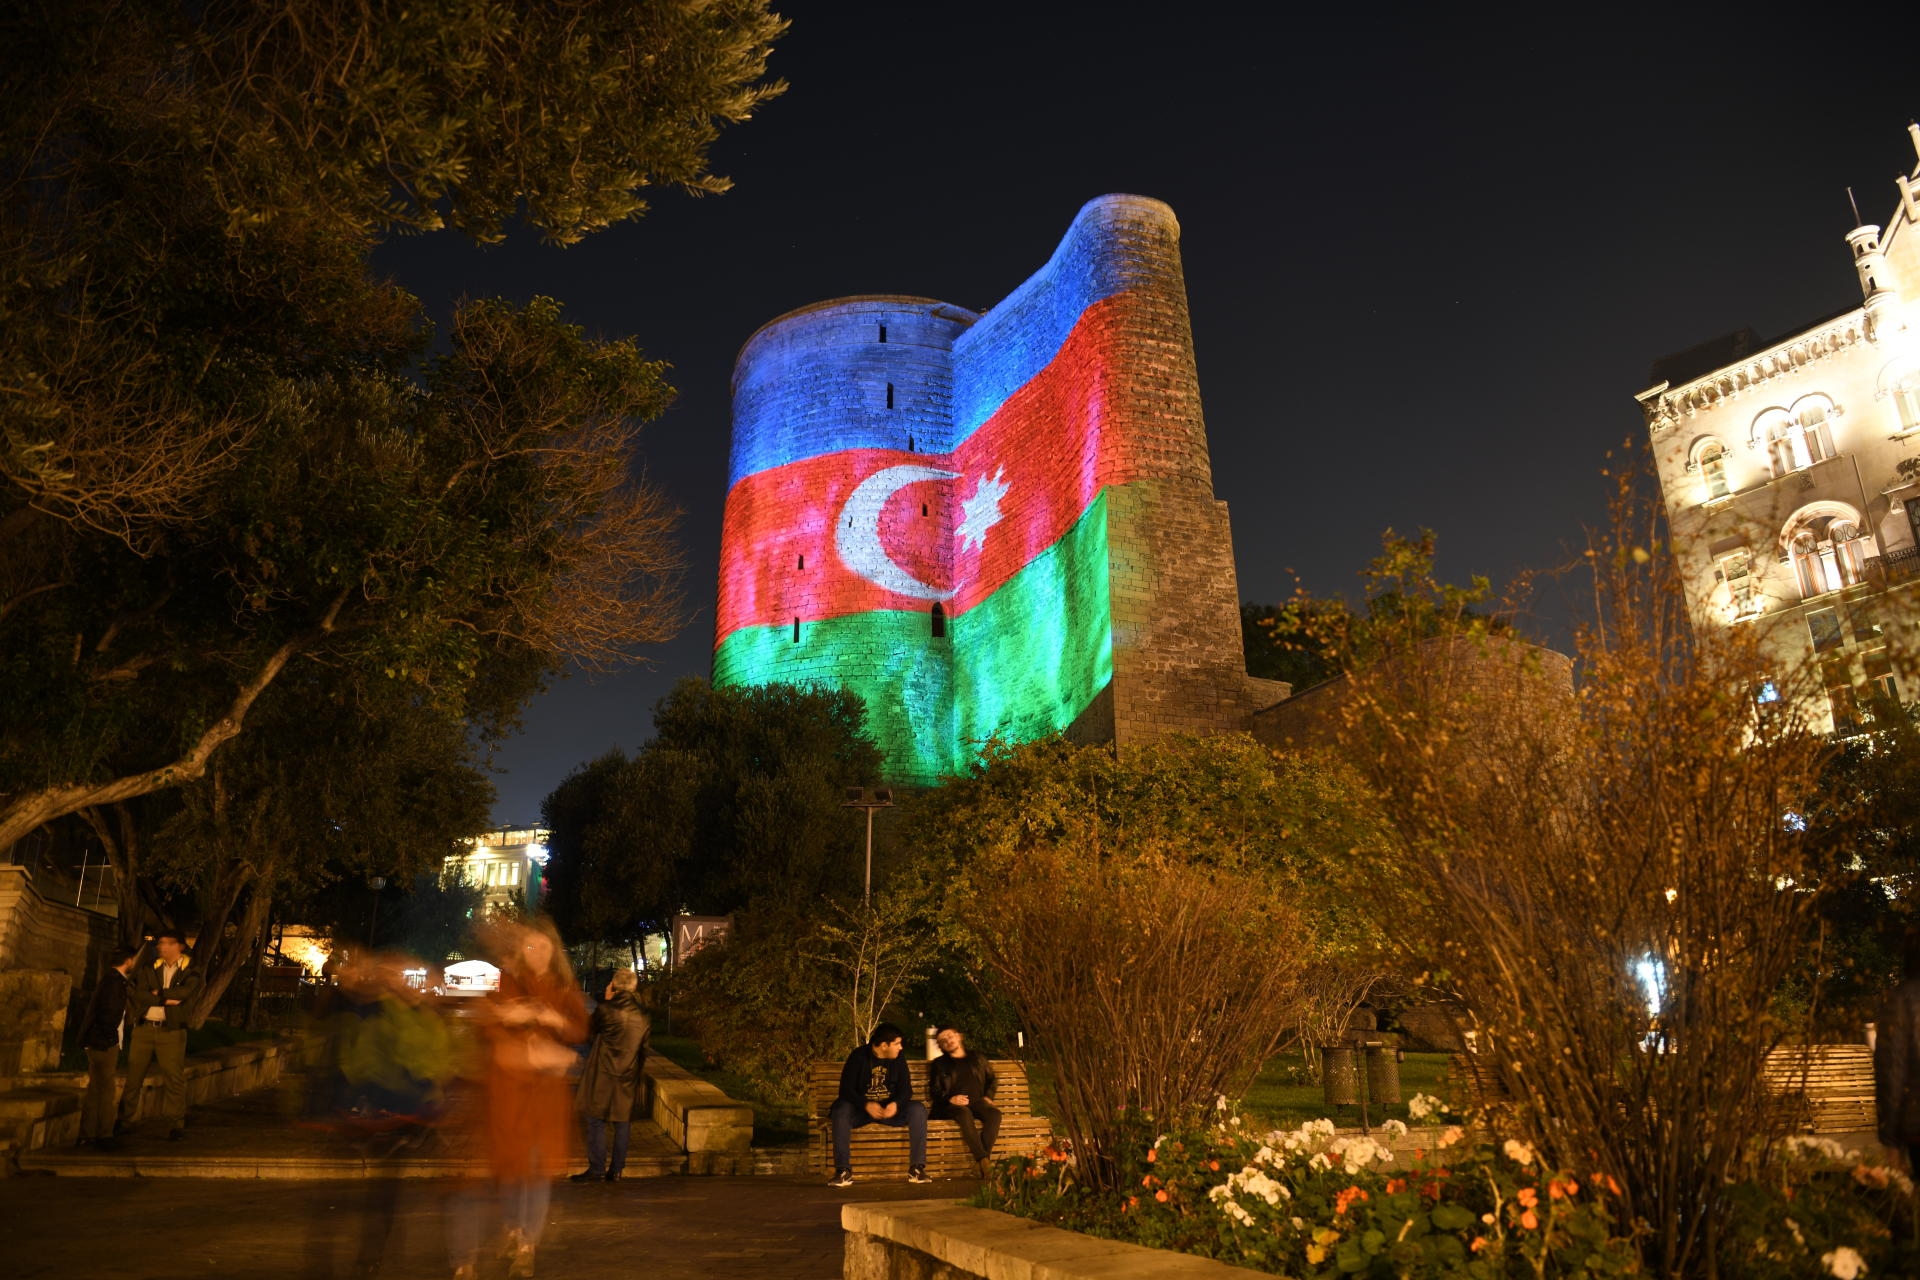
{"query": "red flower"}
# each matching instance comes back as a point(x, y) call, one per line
point(1153, 1154)
point(1528, 1220)
point(1396, 1185)
point(1214, 1165)
point(1161, 1195)
point(1528, 1197)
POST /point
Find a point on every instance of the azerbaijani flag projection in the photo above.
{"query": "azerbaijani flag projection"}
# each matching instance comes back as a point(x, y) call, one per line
point(918, 505)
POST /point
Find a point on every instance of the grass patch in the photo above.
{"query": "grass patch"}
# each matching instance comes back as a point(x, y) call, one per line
point(777, 1121)
point(1279, 1101)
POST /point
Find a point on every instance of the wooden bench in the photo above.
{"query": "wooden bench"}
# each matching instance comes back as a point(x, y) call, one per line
point(1827, 1087)
point(880, 1151)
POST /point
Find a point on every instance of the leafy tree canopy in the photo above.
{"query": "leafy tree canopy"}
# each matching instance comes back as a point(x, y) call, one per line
point(736, 799)
point(224, 453)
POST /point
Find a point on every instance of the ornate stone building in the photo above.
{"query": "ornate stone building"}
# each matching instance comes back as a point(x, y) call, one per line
point(1791, 474)
point(996, 524)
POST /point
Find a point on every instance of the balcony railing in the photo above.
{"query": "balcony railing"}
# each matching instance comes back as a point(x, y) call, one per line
point(1900, 565)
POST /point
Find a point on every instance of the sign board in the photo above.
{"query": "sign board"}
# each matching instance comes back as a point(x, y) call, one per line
point(691, 933)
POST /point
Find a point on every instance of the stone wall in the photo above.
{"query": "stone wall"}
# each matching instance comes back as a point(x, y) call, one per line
point(49, 954)
point(942, 1240)
point(1100, 599)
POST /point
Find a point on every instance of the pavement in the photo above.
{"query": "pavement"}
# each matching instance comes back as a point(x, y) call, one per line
point(667, 1228)
point(257, 1135)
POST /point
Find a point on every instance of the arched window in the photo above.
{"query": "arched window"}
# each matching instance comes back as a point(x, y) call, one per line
point(1713, 470)
point(1900, 383)
point(1828, 552)
point(1796, 440)
point(939, 620)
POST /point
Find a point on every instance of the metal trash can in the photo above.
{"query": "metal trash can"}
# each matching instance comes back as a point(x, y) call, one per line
point(1340, 1075)
point(1383, 1074)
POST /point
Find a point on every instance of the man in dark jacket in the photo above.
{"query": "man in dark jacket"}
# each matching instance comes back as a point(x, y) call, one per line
point(877, 1088)
point(162, 993)
point(102, 1031)
point(1896, 1061)
point(615, 1057)
point(960, 1088)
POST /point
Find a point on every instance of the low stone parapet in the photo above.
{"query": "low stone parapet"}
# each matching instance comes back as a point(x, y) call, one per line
point(911, 1239)
point(714, 1130)
point(43, 1110)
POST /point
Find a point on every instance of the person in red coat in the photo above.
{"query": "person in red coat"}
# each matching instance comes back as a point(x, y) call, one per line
point(529, 1028)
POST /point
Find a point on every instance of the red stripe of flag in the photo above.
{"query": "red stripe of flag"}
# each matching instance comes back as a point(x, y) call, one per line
point(1045, 444)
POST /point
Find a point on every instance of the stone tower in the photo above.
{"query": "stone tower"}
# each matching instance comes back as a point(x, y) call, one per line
point(989, 526)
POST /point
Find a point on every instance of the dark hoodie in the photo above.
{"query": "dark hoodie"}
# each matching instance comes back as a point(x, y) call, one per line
point(868, 1077)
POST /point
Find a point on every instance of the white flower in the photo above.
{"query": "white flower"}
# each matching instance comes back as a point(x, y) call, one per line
point(1320, 1161)
point(1236, 1119)
point(1797, 1237)
point(1452, 1135)
point(1220, 1102)
point(1487, 1218)
point(1518, 1152)
point(1420, 1106)
point(1394, 1129)
point(1844, 1263)
point(1299, 1224)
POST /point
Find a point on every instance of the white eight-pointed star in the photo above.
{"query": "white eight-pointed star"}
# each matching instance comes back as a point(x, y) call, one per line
point(982, 511)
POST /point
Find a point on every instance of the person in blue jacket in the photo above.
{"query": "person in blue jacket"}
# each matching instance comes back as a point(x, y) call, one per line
point(876, 1088)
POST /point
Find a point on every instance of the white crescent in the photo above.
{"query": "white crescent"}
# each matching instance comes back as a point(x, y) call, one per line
point(857, 532)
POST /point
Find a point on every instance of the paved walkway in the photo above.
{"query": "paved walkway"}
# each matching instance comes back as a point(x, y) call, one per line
point(255, 1135)
point(672, 1228)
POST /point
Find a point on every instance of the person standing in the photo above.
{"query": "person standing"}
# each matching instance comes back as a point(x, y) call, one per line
point(102, 1032)
point(1896, 1061)
point(616, 1055)
point(162, 992)
point(960, 1088)
point(877, 1088)
point(530, 1026)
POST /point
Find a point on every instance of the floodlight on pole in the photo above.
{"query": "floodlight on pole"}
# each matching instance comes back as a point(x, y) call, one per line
point(861, 798)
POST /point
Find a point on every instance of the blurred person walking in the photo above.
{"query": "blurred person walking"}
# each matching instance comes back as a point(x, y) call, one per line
point(615, 1058)
point(529, 1027)
point(161, 993)
point(102, 1031)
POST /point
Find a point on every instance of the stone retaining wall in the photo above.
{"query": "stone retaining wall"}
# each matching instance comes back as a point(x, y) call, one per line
point(715, 1131)
point(943, 1240)
point(44, 1110)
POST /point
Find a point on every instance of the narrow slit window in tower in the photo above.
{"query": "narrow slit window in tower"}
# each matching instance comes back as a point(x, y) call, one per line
point(909, 444)
point(939, 621)
point(802, 564)
point(883, 333)
point(923, 508)
point(796, 631)
point(889, 395)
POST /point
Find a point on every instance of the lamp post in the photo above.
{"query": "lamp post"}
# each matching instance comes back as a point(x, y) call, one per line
point(377, 883)
point(860, 798)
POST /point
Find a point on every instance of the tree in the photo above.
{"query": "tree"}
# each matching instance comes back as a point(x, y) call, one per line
point(223, 454)
point(1558, 851)
point(737, 799)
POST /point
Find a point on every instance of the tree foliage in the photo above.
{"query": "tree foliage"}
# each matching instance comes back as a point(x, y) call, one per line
point(737, 799)
point(224, 454)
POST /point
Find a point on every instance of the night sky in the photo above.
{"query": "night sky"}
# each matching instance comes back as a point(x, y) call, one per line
point(1429, 265)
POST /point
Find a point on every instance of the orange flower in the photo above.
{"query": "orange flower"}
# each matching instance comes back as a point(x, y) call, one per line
point(1615, 1187)
point(1343, 1201)
point(1431, 1190)
point(1396, 1185)
point(1528, 1197)
point(1161, 1196)
point(1528, 1220)
point(1133, 1202)
point(1479, 1243)
point(1214, 1165)
point(1147, 1181)
point(1153, 1155)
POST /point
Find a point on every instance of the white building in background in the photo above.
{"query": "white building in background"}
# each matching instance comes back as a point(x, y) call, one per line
point(507, 863)
point(1791, 475)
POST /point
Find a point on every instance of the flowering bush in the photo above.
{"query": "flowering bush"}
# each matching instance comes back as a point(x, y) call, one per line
point(1316, 1203)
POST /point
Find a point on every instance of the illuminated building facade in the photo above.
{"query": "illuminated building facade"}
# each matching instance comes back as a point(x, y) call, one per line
point(1791, 474)
point(996, 525)
point(507, 863)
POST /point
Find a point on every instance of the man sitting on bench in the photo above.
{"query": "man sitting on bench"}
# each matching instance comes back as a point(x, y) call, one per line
point(960, 1088)
point(877, 1088)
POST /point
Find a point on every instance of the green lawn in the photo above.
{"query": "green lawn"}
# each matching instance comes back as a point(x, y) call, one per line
point(776, 1121)
point(1275, 1102)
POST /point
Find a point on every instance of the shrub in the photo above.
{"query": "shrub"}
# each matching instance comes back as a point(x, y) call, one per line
point(1317, 1204)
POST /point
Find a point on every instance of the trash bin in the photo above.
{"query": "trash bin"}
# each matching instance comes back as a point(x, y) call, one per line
point(1340, 1075)
point(1383, 1074)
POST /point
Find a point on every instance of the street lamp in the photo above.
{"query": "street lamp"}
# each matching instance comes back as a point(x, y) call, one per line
point(859, 798)
point(376, 884)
